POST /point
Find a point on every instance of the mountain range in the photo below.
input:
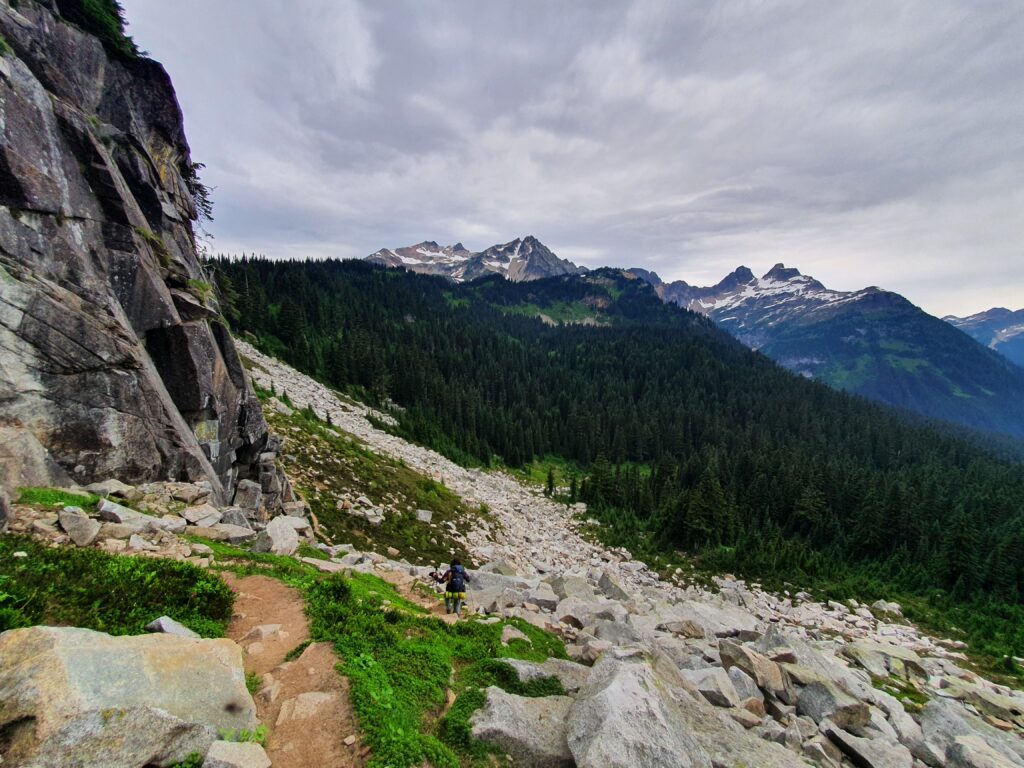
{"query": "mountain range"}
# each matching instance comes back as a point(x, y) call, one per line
point(519, 261)
point(870, 342)
point(1000, 329)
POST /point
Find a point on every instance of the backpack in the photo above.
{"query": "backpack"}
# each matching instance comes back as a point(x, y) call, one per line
point(457, 582)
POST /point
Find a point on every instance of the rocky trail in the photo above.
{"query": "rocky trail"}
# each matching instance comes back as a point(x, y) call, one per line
point(303, 702)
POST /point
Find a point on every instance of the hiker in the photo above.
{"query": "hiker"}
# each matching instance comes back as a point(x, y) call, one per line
point(454, 579)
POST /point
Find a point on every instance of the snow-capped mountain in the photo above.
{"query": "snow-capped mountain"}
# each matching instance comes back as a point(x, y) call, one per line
point(750, 307)
point(519, 261)
point(1000, 329)
point(872, 342)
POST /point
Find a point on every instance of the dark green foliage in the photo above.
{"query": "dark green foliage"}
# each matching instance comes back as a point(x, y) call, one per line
point(399, 663)
point(109, 593)
point(104, 19)
point(690, 441)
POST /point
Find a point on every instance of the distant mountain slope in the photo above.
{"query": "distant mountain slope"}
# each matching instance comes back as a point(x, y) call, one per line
point(870, 342)
point(520, 260)
point(1000, 329)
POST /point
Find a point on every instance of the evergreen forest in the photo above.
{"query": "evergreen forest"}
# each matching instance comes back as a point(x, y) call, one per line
point(679, 438)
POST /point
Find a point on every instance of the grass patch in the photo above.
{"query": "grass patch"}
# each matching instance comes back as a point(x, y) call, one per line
point(55, 497)
point(5, 48)
point(400, 664)
point(108, 593)
point(201, 289)
point(911, 698)
point(307, 550)
point(157, 244)
point(253, 681)
point(245, 563)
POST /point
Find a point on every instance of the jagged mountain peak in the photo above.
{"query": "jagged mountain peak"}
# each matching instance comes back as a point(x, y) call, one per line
point(519, 260)
point(780, 272)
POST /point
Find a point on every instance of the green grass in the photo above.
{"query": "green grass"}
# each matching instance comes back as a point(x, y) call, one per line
point(399, 662)
point(253, 681)
point(307, 550)
point(5, 48)
point(563, 312)
point(108, 593)
point(911, 698)
point(157, 244)
point(327, 464)
point(201, 289)
point(54, 497)
point(242, 562)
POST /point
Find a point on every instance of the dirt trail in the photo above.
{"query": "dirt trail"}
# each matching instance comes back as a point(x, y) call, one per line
point(304, 702)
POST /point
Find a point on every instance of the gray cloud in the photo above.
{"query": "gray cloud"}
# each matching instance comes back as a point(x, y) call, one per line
point(865, 142)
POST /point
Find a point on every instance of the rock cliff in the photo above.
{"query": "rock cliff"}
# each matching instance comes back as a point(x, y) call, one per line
point(115, 360)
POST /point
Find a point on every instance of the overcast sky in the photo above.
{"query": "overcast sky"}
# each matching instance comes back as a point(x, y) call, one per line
point(867, 143)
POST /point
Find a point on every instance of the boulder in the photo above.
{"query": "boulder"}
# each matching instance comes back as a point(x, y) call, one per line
point(235, 516)
point(578, 613)
point(973, 752)
point(682, 628)
point(611, 588)
point(279, 538)
point(945, 720)
point(635, 697)
point(543, 597)
point(570, 586)
point(424, 515)
point(173, 523)
point(235, 534)
point(571, 675)
point(138, 544)
point(744, 684)
point(110, 487)
point(531, 730)
point(169, 626)
point(205, 515)
point(81, 529)
point(126, 701)
point(500, 567)
point(614, 632)
point(721, 619)
point(115, 513)
point(623, 717)
point(234, 754)
point(714, 685)
point(882, 659)
point(248, 495)
point(823, 700)
point(769, 676)
point(296, 509)
point(868, 753)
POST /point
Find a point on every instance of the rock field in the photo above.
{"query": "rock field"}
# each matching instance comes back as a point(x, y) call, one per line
point(683, 675)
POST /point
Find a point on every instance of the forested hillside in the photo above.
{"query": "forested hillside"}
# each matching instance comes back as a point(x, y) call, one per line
point(688, 440)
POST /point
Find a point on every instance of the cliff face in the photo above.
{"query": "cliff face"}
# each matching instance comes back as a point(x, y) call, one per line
point(114, 359)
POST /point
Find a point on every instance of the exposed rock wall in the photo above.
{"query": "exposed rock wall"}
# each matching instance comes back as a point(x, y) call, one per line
point(114, 359)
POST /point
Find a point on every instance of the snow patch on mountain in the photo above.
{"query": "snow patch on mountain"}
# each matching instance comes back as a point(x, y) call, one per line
point(519, 260)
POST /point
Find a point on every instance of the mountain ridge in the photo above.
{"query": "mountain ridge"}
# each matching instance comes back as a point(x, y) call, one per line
point(871, 342)
point(999, 328)
point(519, 260)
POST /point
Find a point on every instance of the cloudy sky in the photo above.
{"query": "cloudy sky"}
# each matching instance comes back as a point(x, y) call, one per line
point(867, 143)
